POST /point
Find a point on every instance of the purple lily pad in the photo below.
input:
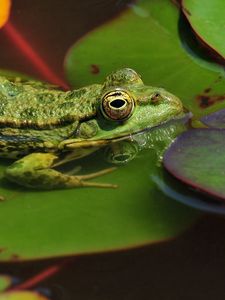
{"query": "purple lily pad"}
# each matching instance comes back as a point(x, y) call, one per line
point(215, 120)
point(197, 158)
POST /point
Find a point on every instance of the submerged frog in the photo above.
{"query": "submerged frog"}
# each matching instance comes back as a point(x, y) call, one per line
point(38, 124)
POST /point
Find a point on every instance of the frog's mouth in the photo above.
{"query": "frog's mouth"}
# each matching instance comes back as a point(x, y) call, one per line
point(101, 142)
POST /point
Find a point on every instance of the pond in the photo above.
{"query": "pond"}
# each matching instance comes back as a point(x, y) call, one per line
point(146, 234)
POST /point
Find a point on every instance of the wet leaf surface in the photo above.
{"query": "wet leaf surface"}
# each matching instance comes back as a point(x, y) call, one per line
point(207, 18)
point(197, 159)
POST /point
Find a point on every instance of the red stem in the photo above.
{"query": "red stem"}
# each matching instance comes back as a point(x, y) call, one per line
point(33, 281)
point(33, 56)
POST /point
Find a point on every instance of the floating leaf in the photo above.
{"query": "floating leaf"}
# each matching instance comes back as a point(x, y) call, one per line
point(22, 295)
point(175, 190)
point(40, 224)
point(207, 18)
point(150, 43)
point(216, 119)
point(197, 159)
point(5, 282)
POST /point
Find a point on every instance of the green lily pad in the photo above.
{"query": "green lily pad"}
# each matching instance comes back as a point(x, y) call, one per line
point(5, 282)
point(197, 159)
point(149, 43)
point(22, 295)
point(41, 224)
point(207, 18)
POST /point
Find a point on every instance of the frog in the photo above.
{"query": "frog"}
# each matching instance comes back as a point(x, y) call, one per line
point(156, 139)
point(43, 127)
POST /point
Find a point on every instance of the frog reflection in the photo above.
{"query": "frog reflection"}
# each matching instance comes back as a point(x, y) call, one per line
point(157, 139)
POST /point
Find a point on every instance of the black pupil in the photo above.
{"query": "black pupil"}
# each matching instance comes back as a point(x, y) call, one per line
point(117, 103)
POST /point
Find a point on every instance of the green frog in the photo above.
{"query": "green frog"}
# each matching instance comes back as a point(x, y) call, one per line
point(42, 127)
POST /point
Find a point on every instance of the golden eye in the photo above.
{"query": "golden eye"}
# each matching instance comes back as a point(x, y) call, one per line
point(117, 105)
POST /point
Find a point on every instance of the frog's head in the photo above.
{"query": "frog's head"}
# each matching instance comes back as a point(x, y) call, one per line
point(128, 106)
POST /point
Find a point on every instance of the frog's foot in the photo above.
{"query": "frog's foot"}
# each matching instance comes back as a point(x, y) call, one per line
point(83, 178)
point(35, 171)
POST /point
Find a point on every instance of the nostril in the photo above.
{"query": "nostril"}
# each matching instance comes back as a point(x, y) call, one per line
point(156, 98)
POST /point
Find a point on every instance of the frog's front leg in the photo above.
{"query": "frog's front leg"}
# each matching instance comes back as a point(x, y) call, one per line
point(35, 171)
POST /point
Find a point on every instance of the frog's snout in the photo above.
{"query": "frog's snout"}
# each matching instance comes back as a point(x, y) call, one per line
point(175, 102)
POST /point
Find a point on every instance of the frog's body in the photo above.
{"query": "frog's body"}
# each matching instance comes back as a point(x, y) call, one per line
point(39, 123)
point(38, 119)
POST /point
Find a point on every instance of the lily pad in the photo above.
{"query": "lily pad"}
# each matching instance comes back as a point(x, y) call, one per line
point(150, 43)
point(41, 224)
point(207, 18)
point(175, 190)
point(5, 282)
point(215, 120)
point(197, 159)
point(22, 295)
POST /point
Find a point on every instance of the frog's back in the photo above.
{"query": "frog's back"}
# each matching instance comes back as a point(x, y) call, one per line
point(28, 106)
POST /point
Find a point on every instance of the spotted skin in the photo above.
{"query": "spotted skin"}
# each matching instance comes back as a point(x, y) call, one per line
point(39, 122)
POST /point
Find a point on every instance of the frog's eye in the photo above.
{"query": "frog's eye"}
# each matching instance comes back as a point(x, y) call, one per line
point(117, 105)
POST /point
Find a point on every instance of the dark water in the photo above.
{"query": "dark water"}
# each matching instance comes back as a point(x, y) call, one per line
point(63, 29)
point(191, 266)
